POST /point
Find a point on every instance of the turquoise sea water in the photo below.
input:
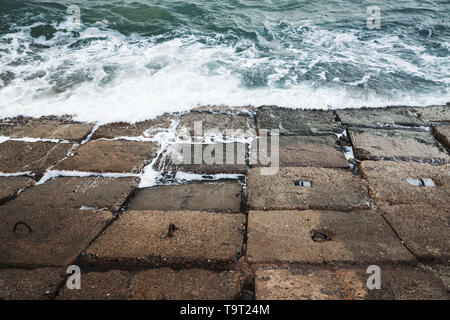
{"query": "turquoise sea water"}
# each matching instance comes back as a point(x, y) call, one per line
point(131, 60)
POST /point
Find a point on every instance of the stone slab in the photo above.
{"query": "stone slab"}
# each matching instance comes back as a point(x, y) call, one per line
point(142, 238)
point(388, 182)
point(442, 134)
point(148, 128)
point(359, 237)
point(330, 189)
point(45, 128)
point(37, 157)
point(36, 284)
point(58, 235)
point(434, 113)
point(241, 110)
point(95, 193)
point(297, 122)
point(424, 229)
point(303, 151)
point(110, 156)
point(369, 144)
point(441, 271)
point(318, 283)
point(157, 284)
point(215, 124)
point(379, 117)
point(214, 196)
point(10, 185)
point(207, 159)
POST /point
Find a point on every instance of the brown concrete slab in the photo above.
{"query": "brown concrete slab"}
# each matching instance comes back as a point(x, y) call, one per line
point(423, 228)
point(330, 189)
point(442, 134)
point(359, 237)
point(110, 156)
point(36, 284)
point(58, 235)
point(216, 124)
point(379, 117)
point(369, 144)
point(434, 113)
point(304, 151)
point(319, 283)
point(78, 192)
point(157, 284)
point(10, 185)
point(213, 196)
point(19, 156)
point(45, 128)
point(142, 238)
point(388, 182)
point(207, 159)
point(148, 128)
point(297, 122)
point(441, 271)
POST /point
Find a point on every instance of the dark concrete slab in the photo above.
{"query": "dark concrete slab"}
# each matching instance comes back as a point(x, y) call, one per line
point(434, 113)
point(297, 122)
point(379, 117)
point(10, 185)
point(79, 192)
point(37, 157)
point(358, 237)
point(213, 196)
point(158, 284)
point(303, 151)
point(36, 284)
point(212, 240)
point(369, 144)
point(110, 156)
point(58, 235)
point(423, 228)
point(62, 128)
point(148, 128)
point(216, 124)
point(442, 134)
point(205, 158)
point(388, 181)
point(319, 283)
point(329, 189)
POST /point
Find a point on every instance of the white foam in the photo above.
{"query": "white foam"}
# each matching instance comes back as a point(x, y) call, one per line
point(50, 174)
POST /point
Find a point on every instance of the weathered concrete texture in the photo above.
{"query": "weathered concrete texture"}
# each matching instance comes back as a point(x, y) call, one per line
point(441, 271)
point(58, 235)
point(318, 283)
point(442, 134)
point(388, 182)
point(158, 284)
point(359, 237)
point(76, 192)
point(246, 111)
point(297, 122)
point(146, 238)
point(45, 128)
point(110, 156)
point(330, 189)
point(216, 124)
point(205, 158)
point(424, 228)
point(369, 144)
point(434, 113)
point(36, 284)
point(302, 151)
point(379, 117)
point(18, 156)
point(10, 185)
point(214, 196)
point(148, 128)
